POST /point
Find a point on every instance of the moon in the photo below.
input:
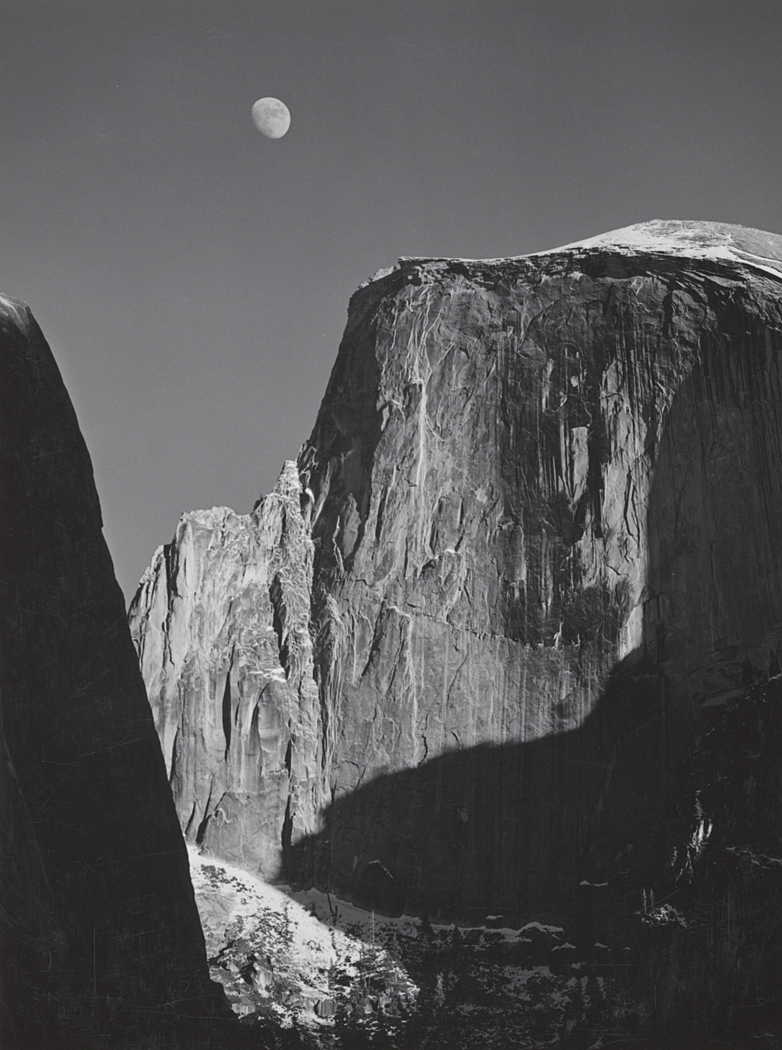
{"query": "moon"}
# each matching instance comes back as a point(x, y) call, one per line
point(271, 117)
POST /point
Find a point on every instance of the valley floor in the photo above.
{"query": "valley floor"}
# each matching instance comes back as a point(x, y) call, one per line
point(334, 975)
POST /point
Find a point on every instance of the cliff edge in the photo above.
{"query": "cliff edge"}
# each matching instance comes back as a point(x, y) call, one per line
point(101, 943)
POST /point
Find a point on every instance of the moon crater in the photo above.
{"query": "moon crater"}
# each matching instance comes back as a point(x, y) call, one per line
point(271, 117)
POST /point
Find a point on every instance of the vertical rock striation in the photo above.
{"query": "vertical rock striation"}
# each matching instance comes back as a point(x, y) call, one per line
point(101, 944)
point(221, 622)
point(536, 531)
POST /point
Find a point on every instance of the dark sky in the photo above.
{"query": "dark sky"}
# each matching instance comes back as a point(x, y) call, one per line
point(193, 276)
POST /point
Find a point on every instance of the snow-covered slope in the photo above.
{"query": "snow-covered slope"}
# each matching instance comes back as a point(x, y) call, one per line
point(680, 238)
point(277, 959)
point(335, 973)
point(690, 239)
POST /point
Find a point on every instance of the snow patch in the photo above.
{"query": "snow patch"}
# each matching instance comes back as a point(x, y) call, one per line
point(272, 952)
point(719, 242)
point(554, 930)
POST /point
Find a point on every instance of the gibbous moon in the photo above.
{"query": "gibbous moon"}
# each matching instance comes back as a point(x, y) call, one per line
point(271, 117)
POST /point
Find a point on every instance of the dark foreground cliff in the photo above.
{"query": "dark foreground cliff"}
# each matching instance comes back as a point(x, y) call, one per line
point(100, 943)
point(465, 658)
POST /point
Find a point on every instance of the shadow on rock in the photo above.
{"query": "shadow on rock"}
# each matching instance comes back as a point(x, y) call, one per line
point(507, 828)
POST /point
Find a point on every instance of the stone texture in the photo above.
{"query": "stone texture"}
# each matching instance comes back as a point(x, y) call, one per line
point(543, 505)
point(101, 944)
point(221, 622)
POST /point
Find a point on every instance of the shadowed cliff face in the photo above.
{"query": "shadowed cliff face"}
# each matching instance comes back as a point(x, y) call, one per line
point(101, 944)
point(515, 825)
point(538, 528)
point(509, 828)
point(603, 511)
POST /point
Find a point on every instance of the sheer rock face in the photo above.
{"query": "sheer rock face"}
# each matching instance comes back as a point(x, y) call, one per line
point(543, 500)
point(100, 935)
point(221, 622)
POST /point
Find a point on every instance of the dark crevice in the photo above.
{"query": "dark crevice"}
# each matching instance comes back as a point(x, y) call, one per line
point(288, 756)
point(204, 821)
point(202, 829)
point(279, 613)
point(227, 704)
point(380, 513)
point(171, 560)
point(190, 820)
point(172, 774)
point(287, 833)
point(595, 481)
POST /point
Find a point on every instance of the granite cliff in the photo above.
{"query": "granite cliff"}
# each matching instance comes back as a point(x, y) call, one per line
point(464, 656)
point(101, 943)
point(489, 644)
point(222, 622)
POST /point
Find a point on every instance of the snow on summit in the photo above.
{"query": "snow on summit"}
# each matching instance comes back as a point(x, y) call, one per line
point(682, 238)
point(690, 239)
